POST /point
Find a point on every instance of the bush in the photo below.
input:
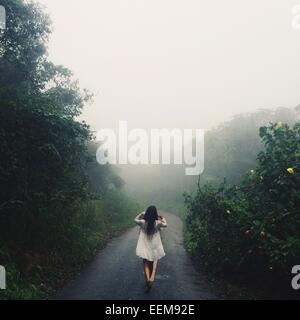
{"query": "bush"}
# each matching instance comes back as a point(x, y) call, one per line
point(252, 228)
point(33, 274)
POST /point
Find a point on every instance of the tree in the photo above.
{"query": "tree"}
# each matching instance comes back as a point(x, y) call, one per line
point(44, 149)
point(27, 77)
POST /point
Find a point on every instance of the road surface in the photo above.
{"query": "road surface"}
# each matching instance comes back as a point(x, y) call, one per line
point(117, 274)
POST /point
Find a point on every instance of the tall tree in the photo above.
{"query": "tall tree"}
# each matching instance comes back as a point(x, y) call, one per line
point(43, 146)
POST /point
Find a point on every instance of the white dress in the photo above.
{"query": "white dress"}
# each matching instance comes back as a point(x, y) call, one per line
point(150, 248)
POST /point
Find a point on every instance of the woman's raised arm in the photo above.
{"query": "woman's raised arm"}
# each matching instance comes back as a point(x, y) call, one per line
point(139, 218)
point(162, 223)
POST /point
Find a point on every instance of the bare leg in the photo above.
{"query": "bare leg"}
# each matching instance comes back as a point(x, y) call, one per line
point(153, 273)
point(150, 268)
point(146, 270)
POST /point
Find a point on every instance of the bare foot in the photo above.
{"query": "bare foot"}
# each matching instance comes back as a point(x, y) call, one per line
point(149, 286)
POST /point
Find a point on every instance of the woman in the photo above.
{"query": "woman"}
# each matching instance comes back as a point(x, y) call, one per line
point(149, 246)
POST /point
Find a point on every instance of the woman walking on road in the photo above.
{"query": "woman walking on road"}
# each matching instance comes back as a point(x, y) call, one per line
point(149, 246)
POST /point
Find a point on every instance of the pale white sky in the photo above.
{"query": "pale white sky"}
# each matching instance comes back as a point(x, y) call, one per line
point(178, 63)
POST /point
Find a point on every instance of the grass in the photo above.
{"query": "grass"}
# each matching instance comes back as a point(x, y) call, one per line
point(95, 223)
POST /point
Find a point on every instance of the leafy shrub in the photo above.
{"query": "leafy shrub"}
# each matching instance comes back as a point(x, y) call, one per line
point(17, 286)
point(252, 228)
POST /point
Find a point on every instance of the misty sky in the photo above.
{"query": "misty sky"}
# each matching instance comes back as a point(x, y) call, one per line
point(178, 63)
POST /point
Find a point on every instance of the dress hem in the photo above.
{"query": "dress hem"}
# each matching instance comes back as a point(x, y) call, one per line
point(151, 260)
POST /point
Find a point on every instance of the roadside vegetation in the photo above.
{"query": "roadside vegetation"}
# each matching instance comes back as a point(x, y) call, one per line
point(57, 205)
point(247, 228)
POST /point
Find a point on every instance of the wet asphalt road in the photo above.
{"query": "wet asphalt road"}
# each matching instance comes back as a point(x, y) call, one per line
point(116, 273)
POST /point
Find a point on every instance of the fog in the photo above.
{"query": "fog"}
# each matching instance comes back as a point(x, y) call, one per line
point(195, 110)
point(182, 64)
point(171, 63)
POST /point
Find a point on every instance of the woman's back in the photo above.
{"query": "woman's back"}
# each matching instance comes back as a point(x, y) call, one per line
point(158, 224)
point(149, 246)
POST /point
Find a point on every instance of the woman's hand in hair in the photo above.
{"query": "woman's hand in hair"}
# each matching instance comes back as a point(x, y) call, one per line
point(142, 215)
point(162, 222)
point(139, 218)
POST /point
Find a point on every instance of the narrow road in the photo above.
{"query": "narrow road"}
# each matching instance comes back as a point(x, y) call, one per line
point(116, 273)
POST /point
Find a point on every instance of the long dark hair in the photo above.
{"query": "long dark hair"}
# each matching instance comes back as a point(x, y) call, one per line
point(150, 217)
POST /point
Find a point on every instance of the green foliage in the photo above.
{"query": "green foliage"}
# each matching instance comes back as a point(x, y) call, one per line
point(43, 148)
point(231, 148)
point(252, 228)
point(27, 78)
point(34, 274)
point(57, 205)
point(17, 286)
